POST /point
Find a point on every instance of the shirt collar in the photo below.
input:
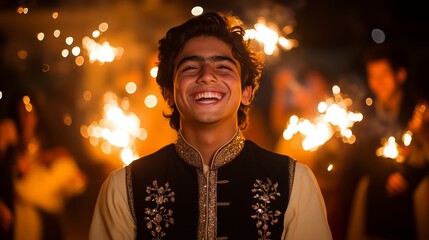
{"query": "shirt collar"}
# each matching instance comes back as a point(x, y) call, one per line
point(222, 156)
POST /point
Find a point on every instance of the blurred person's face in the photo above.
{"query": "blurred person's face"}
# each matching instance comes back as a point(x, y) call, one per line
point(207, 83)
point(313, 90)
point(383, 81)
point(317, 86)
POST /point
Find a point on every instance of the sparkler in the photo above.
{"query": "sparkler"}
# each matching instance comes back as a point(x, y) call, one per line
point(96, 50)
point(117, 130)
point(334, 118)
point(269, 36)
point(397, 151)
point(264, 32)
point(391, 149)
point(101, 52)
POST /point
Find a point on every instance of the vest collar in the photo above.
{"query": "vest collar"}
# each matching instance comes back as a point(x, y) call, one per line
point(222, 156)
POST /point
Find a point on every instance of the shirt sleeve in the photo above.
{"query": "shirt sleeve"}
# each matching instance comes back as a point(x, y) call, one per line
point(306, 217)
point(112, 218)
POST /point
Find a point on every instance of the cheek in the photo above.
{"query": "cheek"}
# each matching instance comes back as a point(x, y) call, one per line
point(382, 87)
point(378, 82)
point(180, 91)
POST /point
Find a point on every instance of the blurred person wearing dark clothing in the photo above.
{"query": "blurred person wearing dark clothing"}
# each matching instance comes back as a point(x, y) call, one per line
point(386, 205)
point(8, 139)
point(43, 178)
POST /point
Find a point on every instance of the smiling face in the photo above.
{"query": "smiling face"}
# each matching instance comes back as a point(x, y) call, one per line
point(384, 81)
point(207, 84)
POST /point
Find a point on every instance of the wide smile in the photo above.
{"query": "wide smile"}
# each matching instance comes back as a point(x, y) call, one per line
point(208, 97)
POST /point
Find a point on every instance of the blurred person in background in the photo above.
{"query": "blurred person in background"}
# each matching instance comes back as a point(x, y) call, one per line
point(298, 92)
point(282, 104)
point(44, 178)
point(8, 140)
point(383, 188)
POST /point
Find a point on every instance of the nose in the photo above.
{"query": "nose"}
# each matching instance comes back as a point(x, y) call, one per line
point(207, 75)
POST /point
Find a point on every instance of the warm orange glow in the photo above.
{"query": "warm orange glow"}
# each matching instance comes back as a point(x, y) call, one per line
point(22, 54)
point(69, 40)
point(197, 10)
point(103, 27)
point(131, 87)
point(150, 101)
point(154, 72)
point(40, 36)
point(87, 95)
point(68, 119)
point(79, 61)
point(57, 33)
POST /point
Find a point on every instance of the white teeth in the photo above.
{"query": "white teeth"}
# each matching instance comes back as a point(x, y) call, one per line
point(210, 95)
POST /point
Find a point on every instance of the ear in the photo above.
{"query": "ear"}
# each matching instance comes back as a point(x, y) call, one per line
point(246, 96)
point(169, 97)
point(401, 75)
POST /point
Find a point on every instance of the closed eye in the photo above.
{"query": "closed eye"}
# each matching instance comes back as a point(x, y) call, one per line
point(224, 67)
point(188, 68)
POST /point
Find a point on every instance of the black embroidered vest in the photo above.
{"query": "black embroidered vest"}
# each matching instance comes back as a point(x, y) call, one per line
point(243, 196)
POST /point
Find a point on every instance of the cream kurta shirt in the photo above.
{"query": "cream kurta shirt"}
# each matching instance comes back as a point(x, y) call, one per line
point(305, 217)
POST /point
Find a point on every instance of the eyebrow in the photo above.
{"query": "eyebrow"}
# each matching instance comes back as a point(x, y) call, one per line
point(215, 58)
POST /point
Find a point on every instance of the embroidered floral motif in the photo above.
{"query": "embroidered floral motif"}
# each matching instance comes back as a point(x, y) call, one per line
point(264, 194)
point(159, 218)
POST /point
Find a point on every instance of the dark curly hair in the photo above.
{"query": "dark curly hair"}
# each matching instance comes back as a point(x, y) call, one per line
point(393, 53)
point(227, 28)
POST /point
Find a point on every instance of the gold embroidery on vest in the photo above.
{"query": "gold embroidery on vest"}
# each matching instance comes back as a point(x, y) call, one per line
point(130, 193)
point(264, 194)
point(159, 218)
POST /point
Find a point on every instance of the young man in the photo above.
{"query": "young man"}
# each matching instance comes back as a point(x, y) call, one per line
point(388, 209)
point(211, 183)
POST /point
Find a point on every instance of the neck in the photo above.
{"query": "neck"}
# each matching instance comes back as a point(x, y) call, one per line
point(208, 140)
point(394, 103)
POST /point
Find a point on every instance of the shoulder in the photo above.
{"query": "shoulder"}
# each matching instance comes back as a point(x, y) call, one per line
point(304, 177)
point(257, 150)
point(302, 170)
point(116, 177)
point(267, 160)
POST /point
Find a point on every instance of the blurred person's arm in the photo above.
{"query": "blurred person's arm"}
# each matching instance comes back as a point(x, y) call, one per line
point(50, 180)
point(8, 134)
point(416, 165)
point(6, 217)
point(396, 184)
point(112, 217)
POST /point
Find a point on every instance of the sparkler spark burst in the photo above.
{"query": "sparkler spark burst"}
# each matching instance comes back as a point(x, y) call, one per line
point(389, 149)
point(268, 35)
point(117, 130)
point(101, 52)
point(334, 118)
point(398, 151)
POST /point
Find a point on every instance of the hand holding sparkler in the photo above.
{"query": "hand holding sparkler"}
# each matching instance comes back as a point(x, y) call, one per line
point(417, 129)
point(419, 123)
point(396, 184)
